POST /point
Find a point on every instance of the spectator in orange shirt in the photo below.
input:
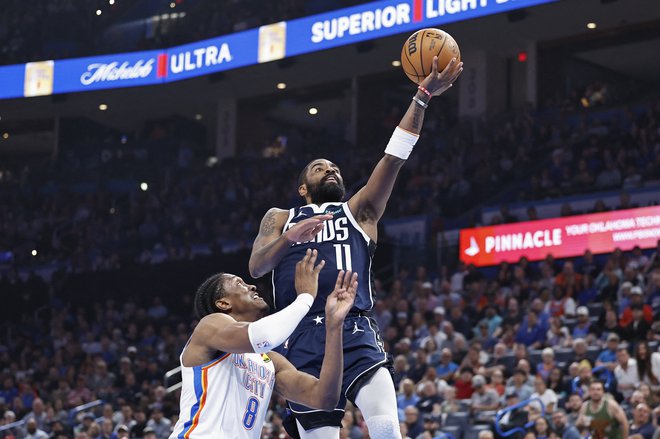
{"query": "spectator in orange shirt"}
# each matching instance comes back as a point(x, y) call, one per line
point(636, 298)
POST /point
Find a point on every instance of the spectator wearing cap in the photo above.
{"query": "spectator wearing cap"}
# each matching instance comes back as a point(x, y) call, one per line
point(583, 326)
point(581, 355)
point(626, 373)
point(122, 431)
point(607, 356)
point(446, 368)
point(159, 423)
point(531, 333)
point(636, 298)
point(638, 329)
point(623, 295)
point(483, 398)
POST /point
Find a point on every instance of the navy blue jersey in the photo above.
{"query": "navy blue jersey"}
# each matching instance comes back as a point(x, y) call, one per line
point(342, 244)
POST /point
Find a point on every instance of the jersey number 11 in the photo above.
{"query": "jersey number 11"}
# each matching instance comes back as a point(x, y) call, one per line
point(343, 258)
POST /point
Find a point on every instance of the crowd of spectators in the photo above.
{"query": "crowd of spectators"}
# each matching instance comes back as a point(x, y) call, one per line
point(74, 213)
point(464, 344)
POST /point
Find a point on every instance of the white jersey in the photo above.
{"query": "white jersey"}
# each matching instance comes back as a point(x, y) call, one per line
point(226, 398)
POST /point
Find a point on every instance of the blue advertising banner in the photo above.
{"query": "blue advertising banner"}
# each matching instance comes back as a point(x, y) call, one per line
point(268, 43)
point(108, 71)
point(389, 17)
point(11, 81)
point(214, 55)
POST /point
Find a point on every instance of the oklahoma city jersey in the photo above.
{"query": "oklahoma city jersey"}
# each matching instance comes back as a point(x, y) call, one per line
point(342, 244)
point(226, 398)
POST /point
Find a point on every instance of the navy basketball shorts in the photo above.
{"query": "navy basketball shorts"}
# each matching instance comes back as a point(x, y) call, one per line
point(363, 356)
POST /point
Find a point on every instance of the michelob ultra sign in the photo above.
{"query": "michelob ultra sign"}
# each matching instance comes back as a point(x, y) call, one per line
point(562, 237)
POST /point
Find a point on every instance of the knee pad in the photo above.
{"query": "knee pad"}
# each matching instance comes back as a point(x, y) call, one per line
point(383, 427)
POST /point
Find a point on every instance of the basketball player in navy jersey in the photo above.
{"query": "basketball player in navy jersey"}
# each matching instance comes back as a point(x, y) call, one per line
point(345, 234)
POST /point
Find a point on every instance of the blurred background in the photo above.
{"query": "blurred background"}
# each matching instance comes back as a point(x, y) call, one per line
point(142, 141)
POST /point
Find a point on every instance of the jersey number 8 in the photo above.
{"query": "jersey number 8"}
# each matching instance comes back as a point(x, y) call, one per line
point(251, 410)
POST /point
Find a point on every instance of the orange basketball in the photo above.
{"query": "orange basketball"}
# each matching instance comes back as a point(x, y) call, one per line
point(420, 48)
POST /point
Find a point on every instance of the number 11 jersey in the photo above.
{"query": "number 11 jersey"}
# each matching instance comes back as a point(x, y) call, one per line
point(342, 244)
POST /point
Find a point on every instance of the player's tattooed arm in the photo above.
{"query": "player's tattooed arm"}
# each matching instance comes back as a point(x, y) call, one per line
point(271, 243)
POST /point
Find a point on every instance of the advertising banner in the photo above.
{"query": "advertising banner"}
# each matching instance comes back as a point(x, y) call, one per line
point(563, 237)
point(107, 71)
point(12, 80)
point(389, 17)
point(213, 55)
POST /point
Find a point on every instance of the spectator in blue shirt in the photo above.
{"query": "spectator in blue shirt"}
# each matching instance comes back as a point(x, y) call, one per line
point(408, 395)
point(607, 356)
point(583, 326)
point(531, 333)
point(447, 367)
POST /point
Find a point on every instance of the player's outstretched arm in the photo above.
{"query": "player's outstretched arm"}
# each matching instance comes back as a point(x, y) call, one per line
point(221, 332)
point(271, 244)
point(369, 203)
point(322, 393)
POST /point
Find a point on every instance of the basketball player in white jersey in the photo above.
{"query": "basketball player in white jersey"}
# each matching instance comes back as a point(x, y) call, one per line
point(228, 370)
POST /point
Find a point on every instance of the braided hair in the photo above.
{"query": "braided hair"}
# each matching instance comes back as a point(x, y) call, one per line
point(208, 292)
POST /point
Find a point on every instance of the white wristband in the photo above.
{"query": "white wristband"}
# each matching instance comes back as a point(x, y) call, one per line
point(268, 333)
point(401, 143)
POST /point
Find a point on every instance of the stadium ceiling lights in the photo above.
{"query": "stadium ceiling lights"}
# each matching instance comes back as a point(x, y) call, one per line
point(396, 63)
point(103, 107)
point(591, 25)
point(99, 12)
point(281, 85)
point(313, 111)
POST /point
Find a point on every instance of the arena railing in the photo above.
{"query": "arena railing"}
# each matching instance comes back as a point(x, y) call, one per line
point(168, 375)
point(521, 428)
point(17, 424)
point(84, 407)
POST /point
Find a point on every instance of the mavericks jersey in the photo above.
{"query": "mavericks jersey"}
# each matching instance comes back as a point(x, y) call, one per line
point(226, 398)
point(342, 244)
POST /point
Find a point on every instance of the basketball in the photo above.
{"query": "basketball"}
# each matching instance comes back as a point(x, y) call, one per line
point(420, 48)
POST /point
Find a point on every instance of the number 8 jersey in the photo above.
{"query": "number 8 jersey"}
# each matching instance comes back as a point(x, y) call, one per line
point(225, 398)
point(342, 244)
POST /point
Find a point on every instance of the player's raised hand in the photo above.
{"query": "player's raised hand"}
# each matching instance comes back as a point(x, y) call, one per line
point(439, 82)
point(307, 274)
point(306, 229)
point(340, 301)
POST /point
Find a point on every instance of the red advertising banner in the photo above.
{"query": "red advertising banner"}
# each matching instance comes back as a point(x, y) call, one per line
point(563, 237)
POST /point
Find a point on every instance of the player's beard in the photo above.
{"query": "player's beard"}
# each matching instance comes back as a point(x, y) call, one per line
point(326, 192)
